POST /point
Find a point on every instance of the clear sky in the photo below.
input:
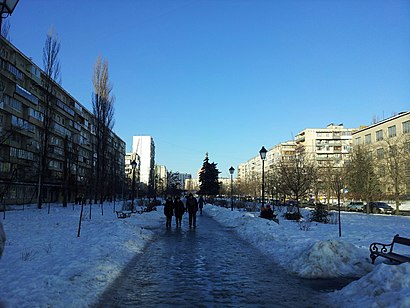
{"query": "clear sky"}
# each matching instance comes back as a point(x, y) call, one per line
point(228, 76)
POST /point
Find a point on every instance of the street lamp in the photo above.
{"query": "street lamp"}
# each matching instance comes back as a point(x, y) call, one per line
point(338, 186)
point(262, 153)
point(133, 165)
point(6, 9)
point(231, 171)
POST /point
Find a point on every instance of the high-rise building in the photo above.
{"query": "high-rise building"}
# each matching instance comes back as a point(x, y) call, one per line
point(145, 148)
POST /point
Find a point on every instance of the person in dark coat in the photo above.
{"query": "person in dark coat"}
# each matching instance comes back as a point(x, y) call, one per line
point(201, 204)
point(269, 213)
point(263, 212)
point(169, 210)
point(192, 208)
point(179, 210)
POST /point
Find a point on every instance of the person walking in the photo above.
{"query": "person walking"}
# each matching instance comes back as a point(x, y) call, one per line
point(201, 204)
point(192, 208)
point(169, 210)
point(179, 210)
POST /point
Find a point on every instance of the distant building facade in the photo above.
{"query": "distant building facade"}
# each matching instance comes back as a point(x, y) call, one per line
point(145, 148)
point(182, 179)
point(330, 145)
point(388, 142)
point(160, 179)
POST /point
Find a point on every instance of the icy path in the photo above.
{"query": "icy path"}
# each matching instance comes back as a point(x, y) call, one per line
point(209, 266)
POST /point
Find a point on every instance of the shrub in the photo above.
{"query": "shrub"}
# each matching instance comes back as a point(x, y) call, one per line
point(293, 216)
point(319, 214)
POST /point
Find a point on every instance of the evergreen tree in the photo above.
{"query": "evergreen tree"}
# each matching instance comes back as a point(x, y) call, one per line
point(208, 178)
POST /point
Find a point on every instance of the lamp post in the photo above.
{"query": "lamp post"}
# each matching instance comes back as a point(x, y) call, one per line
point(133, 165)
point(338, 185)
point(262, 153)
point(6, 9)
point(231, 171)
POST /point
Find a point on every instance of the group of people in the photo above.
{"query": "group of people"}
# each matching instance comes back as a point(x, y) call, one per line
point(177, 208)
point(267, 212)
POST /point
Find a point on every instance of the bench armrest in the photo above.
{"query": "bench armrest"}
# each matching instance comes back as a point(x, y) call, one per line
point(380, 247)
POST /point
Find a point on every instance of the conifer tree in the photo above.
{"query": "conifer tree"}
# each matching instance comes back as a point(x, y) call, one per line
point(208, 178)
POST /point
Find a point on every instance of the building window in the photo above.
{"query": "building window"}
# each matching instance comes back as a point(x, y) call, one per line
point(36, 114)
point(5, 167)
point(368, 139)
point(406, 127)
point(22, 124)
point(23, 154)
point(358, 141)
point(392, 131)
point(26, 94)
point(379, 135)
point(380, 153)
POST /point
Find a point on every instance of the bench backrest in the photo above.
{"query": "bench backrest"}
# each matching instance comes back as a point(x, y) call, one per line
point(401, 240)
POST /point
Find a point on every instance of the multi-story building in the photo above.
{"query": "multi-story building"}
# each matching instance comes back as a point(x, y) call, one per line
point(330, 145)
point(145, 148)
point(182, 179)
point(71, 148)
point(253, 167)
point(191, 185)
point(388, 141)
point(160, 179)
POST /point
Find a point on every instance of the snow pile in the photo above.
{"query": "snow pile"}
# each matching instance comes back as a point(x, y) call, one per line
point(330, 258)
point(385, 286)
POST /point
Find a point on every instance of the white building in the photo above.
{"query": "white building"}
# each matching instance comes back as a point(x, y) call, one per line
point(182, 179)
point(332, 144)
point(145, 148)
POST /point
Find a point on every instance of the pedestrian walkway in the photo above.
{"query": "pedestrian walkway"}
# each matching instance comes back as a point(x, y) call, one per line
point(209, 266)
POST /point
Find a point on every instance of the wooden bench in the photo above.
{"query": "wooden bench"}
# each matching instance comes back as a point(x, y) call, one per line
point(386, 250)
point(121, 214)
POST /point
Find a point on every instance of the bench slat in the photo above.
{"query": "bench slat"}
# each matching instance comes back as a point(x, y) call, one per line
point(402, 240)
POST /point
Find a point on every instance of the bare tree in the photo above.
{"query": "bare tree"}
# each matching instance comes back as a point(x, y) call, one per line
point(103, 109)
point(297, 175)
point(395, 160)
point(361, 179)
point(52, 72)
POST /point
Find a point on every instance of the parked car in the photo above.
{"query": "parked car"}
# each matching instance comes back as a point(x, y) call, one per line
point(380, 208)
point(355, 206)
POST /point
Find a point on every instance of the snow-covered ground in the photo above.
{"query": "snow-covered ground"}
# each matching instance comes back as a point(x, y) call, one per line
point(45, 264)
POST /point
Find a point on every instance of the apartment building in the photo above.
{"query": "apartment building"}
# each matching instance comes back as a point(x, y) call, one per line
point(388, 141)
point(71, 148)
point(253, 167)
point(330, 145)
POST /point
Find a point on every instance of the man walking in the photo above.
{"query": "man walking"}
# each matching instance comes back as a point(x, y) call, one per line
point(192, 208)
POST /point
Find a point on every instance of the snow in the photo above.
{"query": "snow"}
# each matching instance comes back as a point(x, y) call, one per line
point(45, 264)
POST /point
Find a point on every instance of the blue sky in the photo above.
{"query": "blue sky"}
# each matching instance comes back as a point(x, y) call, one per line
point(228, 76)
